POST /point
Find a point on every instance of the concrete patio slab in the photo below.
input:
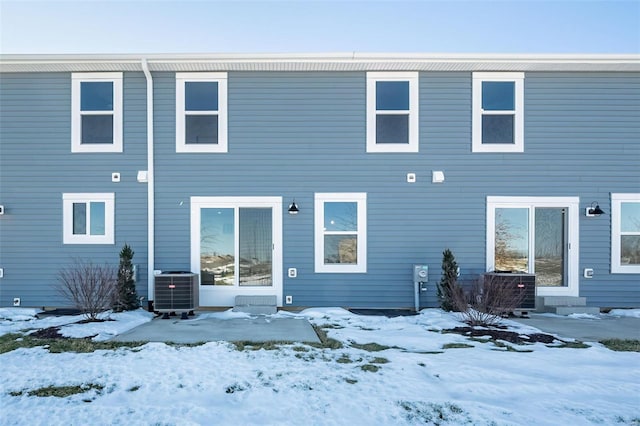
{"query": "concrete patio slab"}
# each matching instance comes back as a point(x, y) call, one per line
point(586, 329)
point(196, 330)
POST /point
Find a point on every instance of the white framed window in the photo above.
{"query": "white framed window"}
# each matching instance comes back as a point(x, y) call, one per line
point(392, 112)
point(498, 112)
point(201, 112)
point(88, 218)
point(96, 112)
point(341, 232)
point(625, 233)
point(536, 235)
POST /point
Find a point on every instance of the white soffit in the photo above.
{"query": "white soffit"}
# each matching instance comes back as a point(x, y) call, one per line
point(319, 62)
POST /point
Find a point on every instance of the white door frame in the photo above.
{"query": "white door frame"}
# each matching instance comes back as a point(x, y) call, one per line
point(225, 295)
point(572, 204)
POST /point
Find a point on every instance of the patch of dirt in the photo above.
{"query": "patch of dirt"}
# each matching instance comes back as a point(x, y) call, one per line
point(499, 334)
point(89, 321)
point(48, 333)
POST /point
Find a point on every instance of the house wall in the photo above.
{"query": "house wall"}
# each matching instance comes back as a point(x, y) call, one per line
point(37, 167)
point(292, 134)
point(295, 134)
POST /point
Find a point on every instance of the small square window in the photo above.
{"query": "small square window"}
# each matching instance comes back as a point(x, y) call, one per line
point(88, 218)
point(498, 112)
point(96, 104)
point(625, 233)
point(392, 112)
point(341, 239)
point(201, 112)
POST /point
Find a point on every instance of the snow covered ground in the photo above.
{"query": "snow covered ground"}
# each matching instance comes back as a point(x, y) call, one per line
point(424, 378)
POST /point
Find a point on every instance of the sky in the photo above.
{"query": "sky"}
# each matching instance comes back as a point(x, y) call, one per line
point(365, 26)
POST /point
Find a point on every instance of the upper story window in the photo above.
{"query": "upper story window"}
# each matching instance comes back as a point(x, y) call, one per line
point(88, 218)
point(392, 112)
point(341, 232)
point(625, 233)
point(498, 111)
point(96, 112)
point(201, 112)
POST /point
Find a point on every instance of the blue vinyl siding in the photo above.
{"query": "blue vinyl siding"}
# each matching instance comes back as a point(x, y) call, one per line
point(293, 134)
point(37, 167)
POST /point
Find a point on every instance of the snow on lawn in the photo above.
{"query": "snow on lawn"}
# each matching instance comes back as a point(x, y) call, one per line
point(417, 381)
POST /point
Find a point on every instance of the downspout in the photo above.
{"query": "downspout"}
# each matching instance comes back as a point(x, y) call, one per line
point(150, 186)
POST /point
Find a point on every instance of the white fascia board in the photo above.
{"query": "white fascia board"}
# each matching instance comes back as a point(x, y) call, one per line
point(323, 61)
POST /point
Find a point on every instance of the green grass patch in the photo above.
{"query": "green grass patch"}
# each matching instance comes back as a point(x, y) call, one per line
point(370, 368)
point(419, 412)
point(60, 391)
point(508, 348)
point(479, 339)
point(13, 341)
point(256, 346)
point(456, 346)
point(185, 345)
point(622, 345)
point(325, 341)
point(372, 347)
point(344, 359)
point(328, 326)
point(351, 381)
point(379, 360)
point(133, 389)
point(571, 345)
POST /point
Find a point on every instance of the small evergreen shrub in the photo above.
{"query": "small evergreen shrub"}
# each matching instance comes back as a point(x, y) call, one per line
point(127, 297)
point(448, 288)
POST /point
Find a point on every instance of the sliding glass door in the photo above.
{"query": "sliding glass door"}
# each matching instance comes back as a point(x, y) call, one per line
point(236, 246)
point(535, 235)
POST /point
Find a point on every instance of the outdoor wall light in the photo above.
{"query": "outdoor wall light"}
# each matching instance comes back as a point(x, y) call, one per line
point(594, 211)
point(293, 208)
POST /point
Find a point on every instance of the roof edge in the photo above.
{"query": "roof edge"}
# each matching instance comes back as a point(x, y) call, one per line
point(344, 56)
point(353, 61)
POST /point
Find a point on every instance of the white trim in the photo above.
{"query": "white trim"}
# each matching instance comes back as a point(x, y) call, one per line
point(573, 250)
point(225, 295)
point(361, 199)
point(518, 113)
point(217, 77)
point(340, 61)
point(616, 233)
point(68, 199)
point(76, 113)
point(413, 112)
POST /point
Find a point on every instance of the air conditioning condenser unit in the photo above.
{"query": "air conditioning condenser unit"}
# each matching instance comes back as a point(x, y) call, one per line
point(176, 292)
point(515, 286)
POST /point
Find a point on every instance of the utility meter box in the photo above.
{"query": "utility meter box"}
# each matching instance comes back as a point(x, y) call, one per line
point(420, 273)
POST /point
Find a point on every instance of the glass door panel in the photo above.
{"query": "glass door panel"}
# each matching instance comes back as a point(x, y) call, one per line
point(256, 247)
point(512, 239)
point(217, 246)
point(550, 246)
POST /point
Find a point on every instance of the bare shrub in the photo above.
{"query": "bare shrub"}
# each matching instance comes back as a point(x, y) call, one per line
point(91, 288)
point(489, 300)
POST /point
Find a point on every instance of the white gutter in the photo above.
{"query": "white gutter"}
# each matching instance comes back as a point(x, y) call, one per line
point(150, 184)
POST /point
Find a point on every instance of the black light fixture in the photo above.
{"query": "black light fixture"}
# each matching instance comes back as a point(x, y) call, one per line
point(293, 208)
point(594, 211)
